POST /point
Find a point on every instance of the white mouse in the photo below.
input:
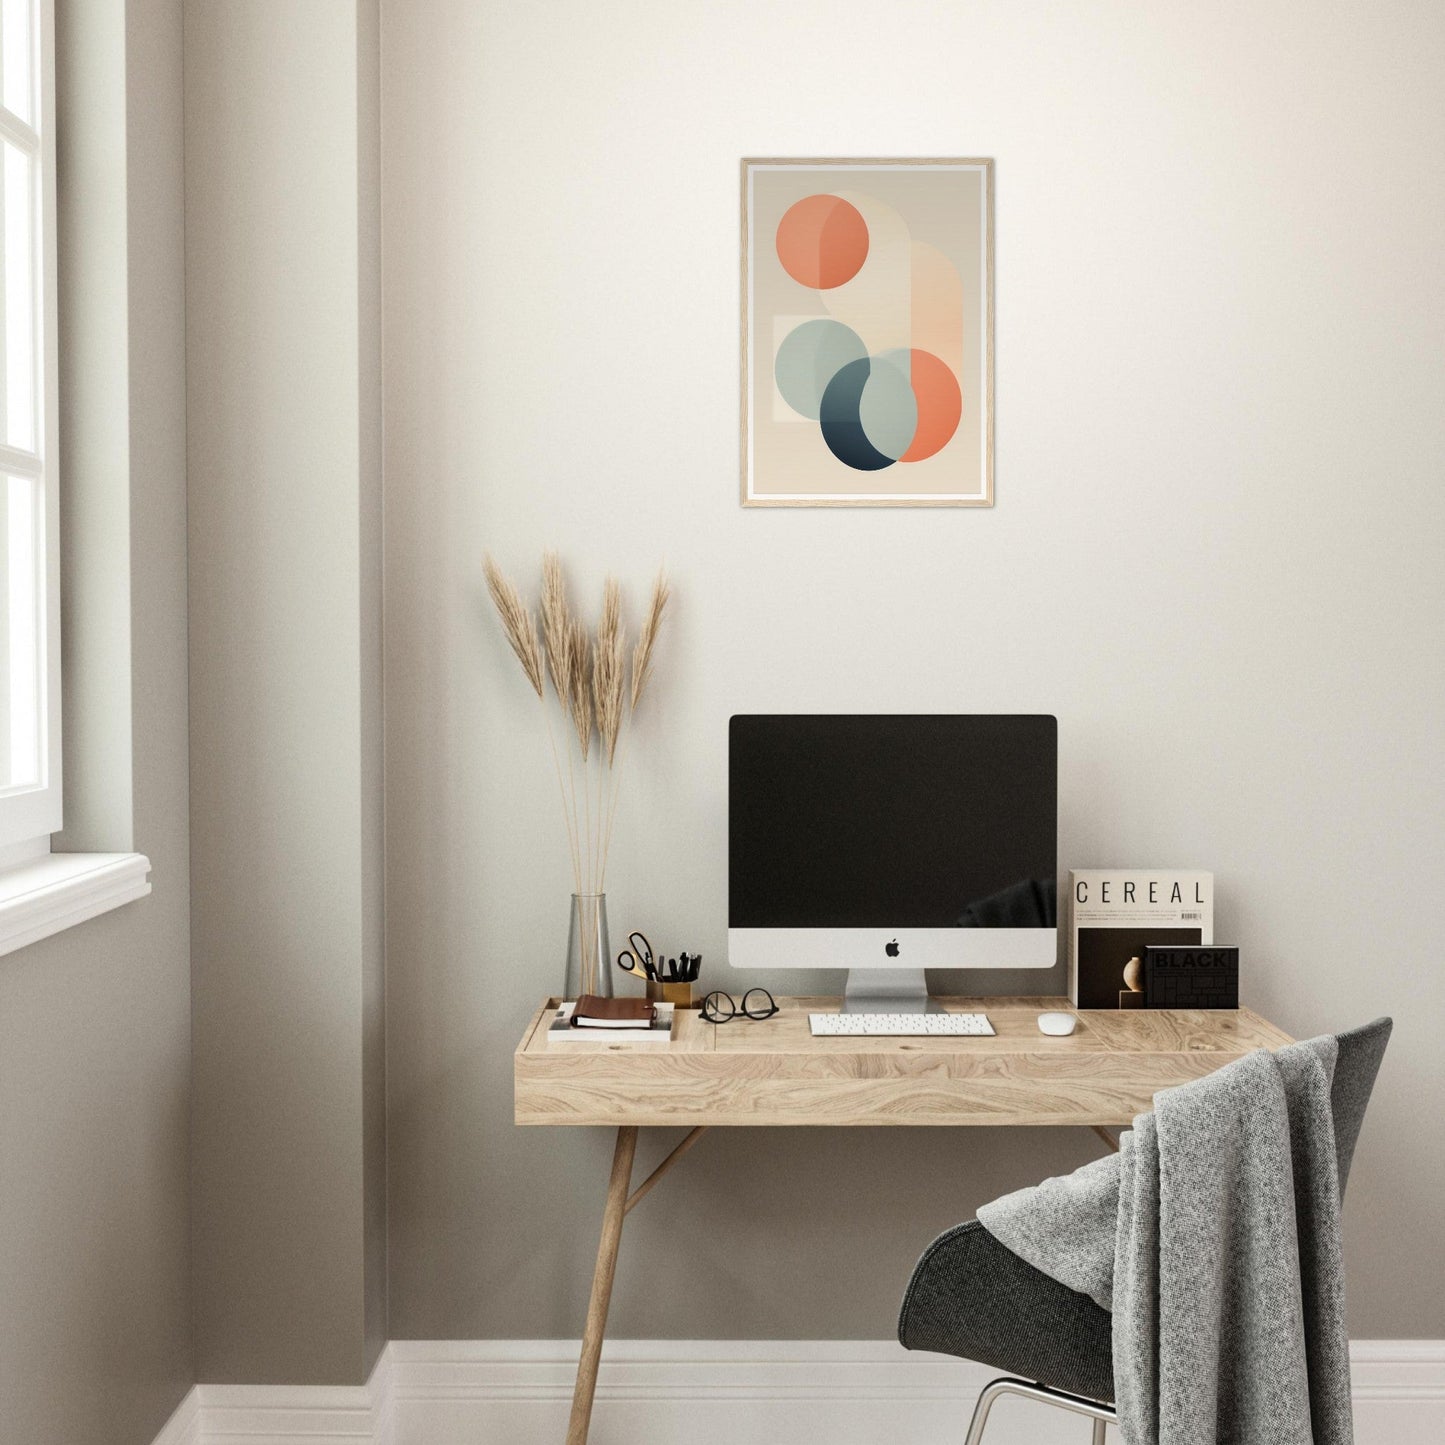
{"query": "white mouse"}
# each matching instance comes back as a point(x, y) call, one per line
point(1057, 1024)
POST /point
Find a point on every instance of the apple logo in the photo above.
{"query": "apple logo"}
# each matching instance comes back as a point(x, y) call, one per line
point(891, 949)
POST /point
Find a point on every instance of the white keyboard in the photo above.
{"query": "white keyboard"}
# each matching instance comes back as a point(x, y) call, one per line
point(900, 1025)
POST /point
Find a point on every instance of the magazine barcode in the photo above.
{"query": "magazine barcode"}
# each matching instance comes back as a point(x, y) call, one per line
point(1191, 917)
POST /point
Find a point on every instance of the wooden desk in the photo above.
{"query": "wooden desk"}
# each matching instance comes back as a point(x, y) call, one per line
point(773, 1072)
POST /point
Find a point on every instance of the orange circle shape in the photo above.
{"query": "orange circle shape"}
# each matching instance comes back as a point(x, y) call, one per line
point(940, 405)
point(822, 241)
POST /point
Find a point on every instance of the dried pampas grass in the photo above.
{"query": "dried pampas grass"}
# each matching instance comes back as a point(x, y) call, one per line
point(647, 638)
point(556, 624)
point(517, 622)
point(589, 680)
point(609, 668)
point(579, 685)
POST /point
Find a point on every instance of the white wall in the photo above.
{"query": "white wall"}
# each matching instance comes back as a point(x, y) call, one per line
point(283, 451)
point(1215, 555)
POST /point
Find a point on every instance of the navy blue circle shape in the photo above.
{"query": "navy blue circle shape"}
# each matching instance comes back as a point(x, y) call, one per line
point(838, 415)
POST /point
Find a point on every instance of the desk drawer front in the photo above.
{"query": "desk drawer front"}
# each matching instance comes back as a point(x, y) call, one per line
point(908, 1086)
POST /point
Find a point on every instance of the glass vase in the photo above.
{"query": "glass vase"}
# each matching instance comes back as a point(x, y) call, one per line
point(589, 956)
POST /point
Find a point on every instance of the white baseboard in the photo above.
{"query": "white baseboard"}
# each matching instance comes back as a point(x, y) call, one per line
point(184, 1426)
point(714, 1392)
point(1398, 1389)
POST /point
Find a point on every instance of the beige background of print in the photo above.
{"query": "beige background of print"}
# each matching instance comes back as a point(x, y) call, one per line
point(941, 205)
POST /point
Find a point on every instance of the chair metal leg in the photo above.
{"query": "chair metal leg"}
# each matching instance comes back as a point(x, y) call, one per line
point(989, 1394)
point(1100, 1413)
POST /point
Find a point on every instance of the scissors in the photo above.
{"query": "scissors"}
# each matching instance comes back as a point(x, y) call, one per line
point(637, 958)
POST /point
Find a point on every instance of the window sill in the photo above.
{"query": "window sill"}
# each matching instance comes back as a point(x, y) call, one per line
point(59, 890)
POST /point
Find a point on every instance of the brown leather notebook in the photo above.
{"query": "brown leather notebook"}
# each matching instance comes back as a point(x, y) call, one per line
point(593, 1012)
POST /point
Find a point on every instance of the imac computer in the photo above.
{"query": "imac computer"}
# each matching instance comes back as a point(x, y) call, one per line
point(888, 844)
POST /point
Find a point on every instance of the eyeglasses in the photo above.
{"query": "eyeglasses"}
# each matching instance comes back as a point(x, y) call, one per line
point(720, 1008)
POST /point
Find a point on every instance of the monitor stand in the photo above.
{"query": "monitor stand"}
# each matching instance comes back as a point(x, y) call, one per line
point(887, 991)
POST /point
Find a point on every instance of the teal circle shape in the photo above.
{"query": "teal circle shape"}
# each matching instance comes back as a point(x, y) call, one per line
point(887, 409)
point(809, 358)
point(842, 431)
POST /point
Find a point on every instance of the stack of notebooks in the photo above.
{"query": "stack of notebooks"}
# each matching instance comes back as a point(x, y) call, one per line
point(594, 1020)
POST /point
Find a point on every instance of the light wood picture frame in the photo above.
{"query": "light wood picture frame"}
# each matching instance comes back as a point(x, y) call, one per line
point(867, 317)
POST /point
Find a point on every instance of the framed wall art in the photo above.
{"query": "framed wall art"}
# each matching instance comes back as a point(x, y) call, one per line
point(867, 333)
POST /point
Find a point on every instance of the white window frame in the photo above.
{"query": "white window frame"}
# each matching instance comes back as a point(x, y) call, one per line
point(30, 814)
point(42, 892)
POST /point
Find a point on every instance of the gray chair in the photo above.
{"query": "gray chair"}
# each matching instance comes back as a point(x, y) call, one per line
point(972, 1297)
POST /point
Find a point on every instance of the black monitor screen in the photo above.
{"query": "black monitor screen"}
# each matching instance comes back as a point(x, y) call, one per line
point(892, 821)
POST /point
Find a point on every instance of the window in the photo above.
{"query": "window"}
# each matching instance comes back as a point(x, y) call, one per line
point(30, 803)
point(41, 893)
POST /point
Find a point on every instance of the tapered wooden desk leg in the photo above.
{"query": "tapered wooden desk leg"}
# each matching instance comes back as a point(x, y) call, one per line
point(602, 1286)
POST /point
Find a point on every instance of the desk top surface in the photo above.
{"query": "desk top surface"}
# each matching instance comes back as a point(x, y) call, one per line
point(773, 1072)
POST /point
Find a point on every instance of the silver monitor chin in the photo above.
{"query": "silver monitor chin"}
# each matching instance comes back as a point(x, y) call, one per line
point(885, 970)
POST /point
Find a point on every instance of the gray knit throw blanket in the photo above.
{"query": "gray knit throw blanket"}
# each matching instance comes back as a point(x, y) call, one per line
point(1214, 1237)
